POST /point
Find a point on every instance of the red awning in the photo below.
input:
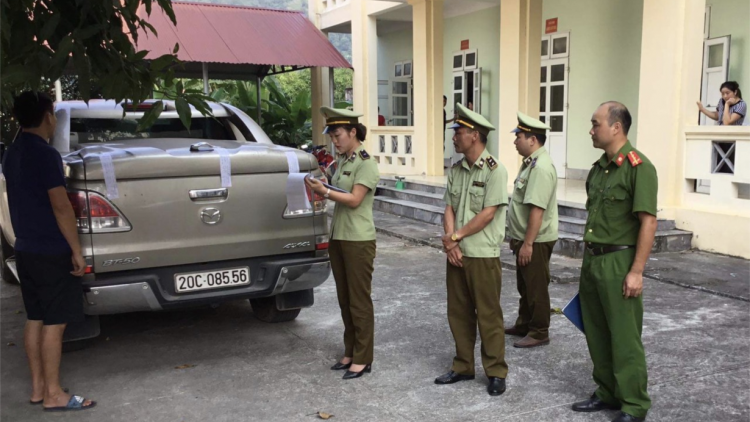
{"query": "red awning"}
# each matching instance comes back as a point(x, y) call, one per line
point(238, 40)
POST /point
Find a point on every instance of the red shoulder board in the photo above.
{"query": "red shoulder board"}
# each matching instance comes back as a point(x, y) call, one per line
point(634, 158)
point(620, 159)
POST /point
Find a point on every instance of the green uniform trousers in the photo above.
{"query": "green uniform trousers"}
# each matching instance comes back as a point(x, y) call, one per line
point(613, 328)
point(474, 297)
point(533, 286)
point(352, 265)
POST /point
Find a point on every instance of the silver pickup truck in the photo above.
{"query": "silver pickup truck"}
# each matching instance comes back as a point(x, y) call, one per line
point(171, 236)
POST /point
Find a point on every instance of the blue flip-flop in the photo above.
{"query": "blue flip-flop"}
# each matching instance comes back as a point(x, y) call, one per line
point(75, 403)
point(65, 390)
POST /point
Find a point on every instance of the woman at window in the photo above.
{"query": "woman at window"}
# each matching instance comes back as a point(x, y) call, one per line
point(352, 244)
point(731, 109)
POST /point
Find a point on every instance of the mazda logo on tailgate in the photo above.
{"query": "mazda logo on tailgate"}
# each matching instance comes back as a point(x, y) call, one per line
point(210, 215)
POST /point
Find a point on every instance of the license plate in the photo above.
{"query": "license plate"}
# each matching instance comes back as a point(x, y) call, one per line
point(190, 282)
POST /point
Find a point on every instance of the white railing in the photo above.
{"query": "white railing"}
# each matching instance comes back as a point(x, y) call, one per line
point(717, 168)
point(327, 5)
point(393, 149)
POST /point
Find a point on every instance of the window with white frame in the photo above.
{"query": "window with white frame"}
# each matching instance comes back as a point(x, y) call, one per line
point(403, 69)
point(556, 46)
point(466, 84)
point(401, 93)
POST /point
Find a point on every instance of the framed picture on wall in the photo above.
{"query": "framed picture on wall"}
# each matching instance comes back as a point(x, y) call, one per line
point(398, 69)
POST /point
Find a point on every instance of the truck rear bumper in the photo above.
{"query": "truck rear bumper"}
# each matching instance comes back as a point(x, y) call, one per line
point(154, 289)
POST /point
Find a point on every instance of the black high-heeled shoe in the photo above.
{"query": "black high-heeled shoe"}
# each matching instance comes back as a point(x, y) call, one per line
point(339, 366)
point(351, 375)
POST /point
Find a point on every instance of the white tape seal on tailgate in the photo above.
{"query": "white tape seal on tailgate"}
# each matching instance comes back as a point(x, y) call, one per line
point(225, 165)
point(296, 191)
point(110, 180)
point(291, 159)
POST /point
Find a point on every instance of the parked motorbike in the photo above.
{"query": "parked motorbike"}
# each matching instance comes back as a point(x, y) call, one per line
point(326, 161)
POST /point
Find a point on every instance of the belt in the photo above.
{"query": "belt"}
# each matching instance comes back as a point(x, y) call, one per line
point(596, 250)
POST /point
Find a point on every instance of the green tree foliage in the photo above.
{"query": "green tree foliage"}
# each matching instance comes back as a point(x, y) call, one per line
point(285, 116)
point(40, 39)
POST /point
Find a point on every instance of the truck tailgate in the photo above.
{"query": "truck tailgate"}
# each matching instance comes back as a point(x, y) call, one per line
point(180, 214)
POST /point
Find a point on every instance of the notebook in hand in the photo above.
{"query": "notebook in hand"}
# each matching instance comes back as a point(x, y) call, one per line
point(331, 187)
point(573, 312)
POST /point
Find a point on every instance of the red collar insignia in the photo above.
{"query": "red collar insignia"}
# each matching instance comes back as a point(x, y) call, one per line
point(634, 158)
point(620, 159)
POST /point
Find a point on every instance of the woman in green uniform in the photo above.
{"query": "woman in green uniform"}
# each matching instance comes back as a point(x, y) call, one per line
point(352, 244)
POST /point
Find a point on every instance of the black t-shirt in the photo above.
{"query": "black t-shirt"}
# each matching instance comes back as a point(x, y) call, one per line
point(31, 168)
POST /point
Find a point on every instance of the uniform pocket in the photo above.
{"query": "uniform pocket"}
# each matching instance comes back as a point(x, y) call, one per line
point(617, 203)
point(476, 196)
point(455, 198)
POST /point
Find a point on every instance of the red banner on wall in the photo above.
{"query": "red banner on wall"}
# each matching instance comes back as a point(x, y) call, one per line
point(551, 26)
point(464, 44)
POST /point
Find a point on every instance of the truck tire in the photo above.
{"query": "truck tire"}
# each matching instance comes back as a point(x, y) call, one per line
point(76, 345)
point(265, 310)
point(6, 251)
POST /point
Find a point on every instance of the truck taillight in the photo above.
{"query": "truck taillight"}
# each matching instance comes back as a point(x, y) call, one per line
point(321, 242)
point(95, 214)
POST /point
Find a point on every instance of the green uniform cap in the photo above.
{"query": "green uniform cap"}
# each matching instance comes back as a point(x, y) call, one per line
point(472, 120)
point(338, 116)
point(528, 124)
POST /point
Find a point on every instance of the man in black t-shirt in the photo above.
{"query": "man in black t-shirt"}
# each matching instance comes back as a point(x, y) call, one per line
point(47, 249)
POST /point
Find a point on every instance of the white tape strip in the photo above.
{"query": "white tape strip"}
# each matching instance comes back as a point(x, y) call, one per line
point(296, 192)
point(109, 175)
point(225, 165)
point(291, 159)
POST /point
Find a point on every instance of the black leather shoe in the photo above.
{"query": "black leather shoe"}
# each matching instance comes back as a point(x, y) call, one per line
point(593, 405)
point(339, 366)
point(452, 377)
point(624, 417)
point(351, 375)
point(496, 387)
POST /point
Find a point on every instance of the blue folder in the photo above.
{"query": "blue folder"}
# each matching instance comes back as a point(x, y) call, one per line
point(573, 312)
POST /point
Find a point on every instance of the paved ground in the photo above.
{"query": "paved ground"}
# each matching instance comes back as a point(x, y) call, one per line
point(716, 274)
point(698, 351)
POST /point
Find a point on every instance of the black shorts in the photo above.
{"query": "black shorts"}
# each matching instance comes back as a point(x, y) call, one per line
point(50, 292)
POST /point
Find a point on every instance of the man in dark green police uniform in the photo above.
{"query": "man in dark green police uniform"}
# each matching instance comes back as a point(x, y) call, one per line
point(474, 223)
point(620, 229)
point(532, 226)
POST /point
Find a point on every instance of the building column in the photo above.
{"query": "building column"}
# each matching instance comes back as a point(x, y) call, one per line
point(319, 85)
point(670, 84)
point(320, 97)
point(365, 63)
point(427, 73)
point(520, 62)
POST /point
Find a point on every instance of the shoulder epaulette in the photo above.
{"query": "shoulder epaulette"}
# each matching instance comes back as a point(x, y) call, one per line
point(364, 155)
point(458, 163)
point(492, 163)
point(634, 158)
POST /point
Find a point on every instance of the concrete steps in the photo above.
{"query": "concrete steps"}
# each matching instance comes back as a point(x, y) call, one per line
point(424, 202)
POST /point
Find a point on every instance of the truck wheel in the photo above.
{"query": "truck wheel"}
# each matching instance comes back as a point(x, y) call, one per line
point(6, 251)
point(265, 310)
point(76, 345)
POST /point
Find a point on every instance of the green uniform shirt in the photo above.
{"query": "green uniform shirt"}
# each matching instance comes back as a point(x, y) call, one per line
point(355, 223)
point(536, 185)
point(472, 189)
point(618, 190)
